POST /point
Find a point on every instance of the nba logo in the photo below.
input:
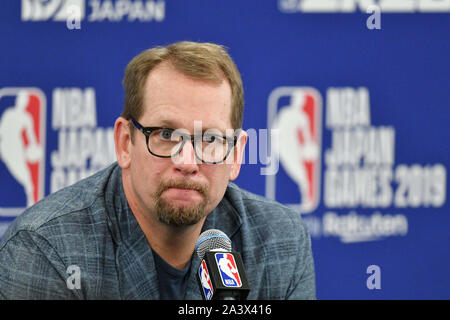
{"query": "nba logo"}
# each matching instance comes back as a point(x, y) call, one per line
point(205, 280)
point(228, 271)
point(22, 148)
point(296, 113)
point(57, 10)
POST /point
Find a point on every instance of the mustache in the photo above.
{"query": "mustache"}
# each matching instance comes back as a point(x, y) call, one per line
point(202, 189)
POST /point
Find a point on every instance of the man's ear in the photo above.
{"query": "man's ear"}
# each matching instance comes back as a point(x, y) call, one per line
point(122, 140)
point(238, 155)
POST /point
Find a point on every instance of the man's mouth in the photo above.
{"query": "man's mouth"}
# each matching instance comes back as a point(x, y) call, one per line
point(183, 194)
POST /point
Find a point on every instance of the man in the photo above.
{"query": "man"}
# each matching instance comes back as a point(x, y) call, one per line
point(129, 231)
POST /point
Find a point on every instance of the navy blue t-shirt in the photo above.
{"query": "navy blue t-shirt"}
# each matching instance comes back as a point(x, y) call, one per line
point(172, 281)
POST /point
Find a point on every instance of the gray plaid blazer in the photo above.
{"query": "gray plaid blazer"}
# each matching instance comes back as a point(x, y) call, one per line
point(91, 226)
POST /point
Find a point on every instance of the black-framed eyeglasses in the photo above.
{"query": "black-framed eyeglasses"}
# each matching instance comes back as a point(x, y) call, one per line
point(209, 147)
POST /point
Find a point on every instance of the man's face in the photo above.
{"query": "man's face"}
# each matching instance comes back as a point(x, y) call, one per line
point(184, 191)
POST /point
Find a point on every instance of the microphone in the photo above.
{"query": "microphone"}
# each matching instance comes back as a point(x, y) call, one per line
point(221, 274)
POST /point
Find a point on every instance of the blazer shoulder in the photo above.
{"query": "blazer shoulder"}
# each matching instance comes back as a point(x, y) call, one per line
point(72, 203)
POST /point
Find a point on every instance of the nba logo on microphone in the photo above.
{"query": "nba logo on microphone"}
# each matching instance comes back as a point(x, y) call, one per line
point(205, 280)
point(296, 114)
point(22, 148)
point(228, 270)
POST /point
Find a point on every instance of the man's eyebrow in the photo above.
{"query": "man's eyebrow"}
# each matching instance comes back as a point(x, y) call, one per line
point(175, 125)
point(167, 123)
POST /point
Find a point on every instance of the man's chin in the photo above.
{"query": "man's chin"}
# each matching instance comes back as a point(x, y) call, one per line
point(178, 213)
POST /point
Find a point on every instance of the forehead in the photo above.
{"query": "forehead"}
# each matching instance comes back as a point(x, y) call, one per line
point(170, 96)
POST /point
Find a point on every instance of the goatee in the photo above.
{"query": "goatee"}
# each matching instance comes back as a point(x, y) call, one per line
point(187, 215)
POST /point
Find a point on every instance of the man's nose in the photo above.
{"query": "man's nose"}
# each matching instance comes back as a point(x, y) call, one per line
point(185, 160)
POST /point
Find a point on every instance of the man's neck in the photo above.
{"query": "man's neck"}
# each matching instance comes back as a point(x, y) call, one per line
point(175, 245)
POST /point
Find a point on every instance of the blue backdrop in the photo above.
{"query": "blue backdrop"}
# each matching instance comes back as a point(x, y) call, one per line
point(357, 101)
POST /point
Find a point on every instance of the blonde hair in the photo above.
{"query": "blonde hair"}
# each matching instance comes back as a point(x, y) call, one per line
point(202, 61)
